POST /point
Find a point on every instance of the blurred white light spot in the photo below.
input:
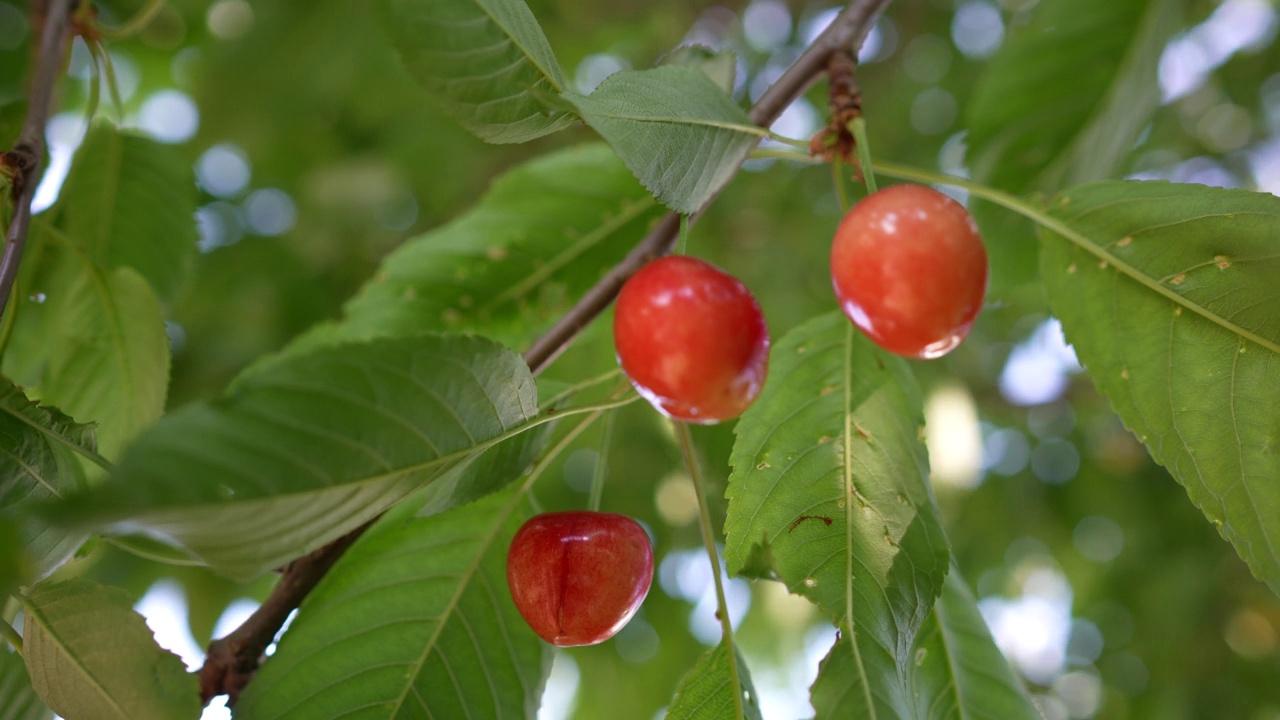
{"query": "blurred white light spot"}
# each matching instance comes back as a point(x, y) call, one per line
point(1032, 630)
point(766, 24)
point(223, 170)
point(229, 19)
point(559, 699)
point(1086, 643)
point(234, 616)
point(1204, 171)
point(799, 120)
point(165, 608)
point(1080, 692)
point(1006, 452)
point(270, 212)
point(1050, 707)
point(637, 642)
point(594, 69)
point(219, 224)
point(686, 574)
point(814, 26)
point(1234, 26)
point(933, 111)
point(13, 27)
point(65, 132)
point(169, 116)
point(926, 59)
point(1037, 369)
point(977, 29)
point(1265, 163)
point(177, 335)
point(1098, 538)
point(1055, 461)
point(1225, 127)
point(953, 436)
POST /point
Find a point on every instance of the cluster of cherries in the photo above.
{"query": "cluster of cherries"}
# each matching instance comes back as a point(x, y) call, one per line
point(909, 270)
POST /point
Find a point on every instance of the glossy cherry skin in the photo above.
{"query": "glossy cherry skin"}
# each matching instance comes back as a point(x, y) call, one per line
point(692, 339)
point(910, 270)
point(577, 577)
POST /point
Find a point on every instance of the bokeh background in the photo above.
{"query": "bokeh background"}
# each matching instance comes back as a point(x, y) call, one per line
point(316, 155)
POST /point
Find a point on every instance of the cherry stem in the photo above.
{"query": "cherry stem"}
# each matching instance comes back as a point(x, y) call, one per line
point(709, 540)
point(602, 465)
point(135, 24)
point(837, 180)
point(7, 631)
point(682, 245)
point(109, 72)
point(858, 126)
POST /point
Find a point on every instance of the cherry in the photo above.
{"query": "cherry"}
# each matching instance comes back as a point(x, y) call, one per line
point(910, 270)
point(692, 339)
point(577, 577)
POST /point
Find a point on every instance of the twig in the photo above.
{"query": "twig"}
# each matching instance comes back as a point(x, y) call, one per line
point(25, 157)
point(845, 32)
point(232, 660)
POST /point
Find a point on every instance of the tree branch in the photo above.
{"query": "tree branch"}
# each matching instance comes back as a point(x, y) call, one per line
point(232, 660)
point(53, 19)
point(848, 29)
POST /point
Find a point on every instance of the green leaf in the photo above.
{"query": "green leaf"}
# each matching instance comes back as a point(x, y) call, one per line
point(307, 449)
point(830, 486)
point(953, 671)
point(508, 268)
point(674, 128)
point(131, 202)
point(414, 621)
point(719, 65)
point(38, 447)
point(486, 61)
point(91, 656)
point(706, 693)
point(18, 700)
point(1168, 294)
point(90, 341)
point(1062, 102)
point(12, 559)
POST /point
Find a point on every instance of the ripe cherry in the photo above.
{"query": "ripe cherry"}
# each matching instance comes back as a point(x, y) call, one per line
point(910, 270)
point(577, 577)
point(692, 339)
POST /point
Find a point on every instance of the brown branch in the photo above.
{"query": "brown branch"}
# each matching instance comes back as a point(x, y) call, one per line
point(844, 33)
point(53, 20)
point(232, 660)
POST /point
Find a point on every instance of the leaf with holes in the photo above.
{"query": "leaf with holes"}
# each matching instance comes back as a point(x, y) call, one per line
point(130, 201)
point(954, 671)
point(89, 340)
point(706, 693)
point(18, 700)
point(1062, 102)
point(414, 621)
point(306, 450)
point(829, 491)
point(508, 268)
point(674, 128)
point(486, 61)
point(1168, 293)
point(38, 448)
point(91, 656)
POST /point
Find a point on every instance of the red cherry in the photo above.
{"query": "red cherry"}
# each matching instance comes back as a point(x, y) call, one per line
point(692, 339)
point(578, 577)
point(910, 270)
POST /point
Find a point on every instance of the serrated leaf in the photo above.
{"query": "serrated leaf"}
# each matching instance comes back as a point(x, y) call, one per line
point(18, 700)
point(90, 341)
point(37, 464)
point(1168, 293)
point(91, 657)
point(830, 478)
point(706, 693)
point(954, 671)
point(312, 447)
point(414, 621)
point(508, 268)
point(131, 202)
point(486, 61)
point(1062, 102)
point(674, 128)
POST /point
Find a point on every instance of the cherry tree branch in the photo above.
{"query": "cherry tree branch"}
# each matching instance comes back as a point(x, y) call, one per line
point(847, 31)
point(22, 163)
point(233, 659)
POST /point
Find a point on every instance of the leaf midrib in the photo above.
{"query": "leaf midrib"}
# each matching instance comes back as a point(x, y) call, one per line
point(848, 522)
